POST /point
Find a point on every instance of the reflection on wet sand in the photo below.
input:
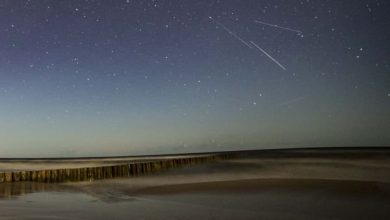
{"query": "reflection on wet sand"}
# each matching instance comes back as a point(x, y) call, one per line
point(12, 190)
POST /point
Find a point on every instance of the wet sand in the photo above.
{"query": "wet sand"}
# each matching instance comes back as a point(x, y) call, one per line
point(255, 186)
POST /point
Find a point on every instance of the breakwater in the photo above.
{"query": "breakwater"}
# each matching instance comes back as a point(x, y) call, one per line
point(104, 172)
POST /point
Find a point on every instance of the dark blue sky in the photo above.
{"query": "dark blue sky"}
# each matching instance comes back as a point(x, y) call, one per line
point(124, 77)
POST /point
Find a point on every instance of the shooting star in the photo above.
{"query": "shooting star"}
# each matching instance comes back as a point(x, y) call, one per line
point(231, 32)
point(269, 56)
point(277, 26)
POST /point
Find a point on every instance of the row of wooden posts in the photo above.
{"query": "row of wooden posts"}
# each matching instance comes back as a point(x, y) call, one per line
point(103, 172)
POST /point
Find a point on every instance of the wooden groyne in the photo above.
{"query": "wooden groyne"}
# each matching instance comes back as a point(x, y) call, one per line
point(104, 172)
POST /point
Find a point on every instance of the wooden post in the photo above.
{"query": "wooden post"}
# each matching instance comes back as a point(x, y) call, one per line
point(23, 175)
point(8, 176)
point(2, 177)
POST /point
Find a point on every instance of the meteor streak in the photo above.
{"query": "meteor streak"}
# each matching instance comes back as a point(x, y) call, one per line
point(269, 56)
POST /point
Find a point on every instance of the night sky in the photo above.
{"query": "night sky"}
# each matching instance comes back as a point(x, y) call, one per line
point(92, 78)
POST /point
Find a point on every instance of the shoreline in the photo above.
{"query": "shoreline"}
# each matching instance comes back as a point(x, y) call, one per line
point(348, 187)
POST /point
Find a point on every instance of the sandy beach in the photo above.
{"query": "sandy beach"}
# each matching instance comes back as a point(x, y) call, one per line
point(255, 186)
